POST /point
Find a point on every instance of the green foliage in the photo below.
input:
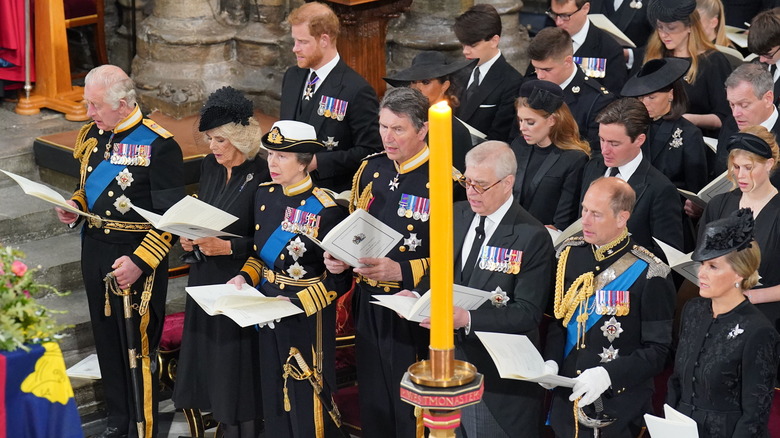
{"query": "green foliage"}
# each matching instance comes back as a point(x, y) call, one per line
point(22, 319)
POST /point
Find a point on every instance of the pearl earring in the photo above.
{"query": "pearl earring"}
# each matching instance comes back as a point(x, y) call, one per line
point(736, 285)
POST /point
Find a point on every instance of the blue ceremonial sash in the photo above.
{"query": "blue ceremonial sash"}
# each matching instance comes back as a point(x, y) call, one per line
point(278, 240)
point(623, 282)
point(101, 177)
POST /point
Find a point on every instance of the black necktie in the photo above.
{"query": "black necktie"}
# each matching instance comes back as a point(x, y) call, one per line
point(613, 171)
point(474, 84)
point(772, 70)
point(476, 246)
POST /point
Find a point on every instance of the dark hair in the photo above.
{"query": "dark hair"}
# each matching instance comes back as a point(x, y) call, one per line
point(629, 112)
point(764, 32)
point(550, 42)
point(407, 102)
point(679, 101)
point(577, 3)
point(480, 23)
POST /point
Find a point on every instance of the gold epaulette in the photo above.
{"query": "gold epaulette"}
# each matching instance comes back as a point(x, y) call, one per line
point(159, 130)
point(325, 197)
point(253, 267)
point(571, 241)
point(82, 143)
point(315, 298)
point(419, 268)
point(154, 247)
point(655, 266)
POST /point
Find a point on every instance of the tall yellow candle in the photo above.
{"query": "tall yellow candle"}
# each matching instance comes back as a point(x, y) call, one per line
point(442, 259)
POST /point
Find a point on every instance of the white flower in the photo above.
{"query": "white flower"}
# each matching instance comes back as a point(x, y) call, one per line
point(736, 331)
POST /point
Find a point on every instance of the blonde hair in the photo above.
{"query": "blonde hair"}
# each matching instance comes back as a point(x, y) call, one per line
point(763, 134)
point(697, 44)
point(714, 9)
point(564, 133)
point(745, 263)
point(245, 138)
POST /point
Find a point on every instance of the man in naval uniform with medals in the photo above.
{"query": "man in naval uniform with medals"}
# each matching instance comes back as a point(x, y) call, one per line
point(125, 160)
point(393, 187)
point(614, 306)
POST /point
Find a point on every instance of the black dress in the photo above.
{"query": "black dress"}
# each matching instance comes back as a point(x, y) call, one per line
point(677, 149)
point(707, 94)
point(724, 370)
point(767, 235)
point(218, 363)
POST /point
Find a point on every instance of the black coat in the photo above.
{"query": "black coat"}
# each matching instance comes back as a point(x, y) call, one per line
point(677, 149)
point(600, 44)
point(738, 12)
point(631, 21)
point(657, 211)
point(354, 138)
point(212, 344)
point(586, 98)
point(642, 347)
point(707, 94)
point(491, 109)
point(551, 193)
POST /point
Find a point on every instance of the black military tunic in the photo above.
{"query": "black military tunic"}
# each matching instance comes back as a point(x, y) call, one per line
point(139, 163)
point(632, 347)
point(586, 98)
point(289, 264)
point(724, 370)
point(396, 194)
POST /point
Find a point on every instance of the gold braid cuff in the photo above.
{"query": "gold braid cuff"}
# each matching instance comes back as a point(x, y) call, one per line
point(315, 298)
point(419, 268)
point(254, 269)
point(154, 248)
point(80, 198)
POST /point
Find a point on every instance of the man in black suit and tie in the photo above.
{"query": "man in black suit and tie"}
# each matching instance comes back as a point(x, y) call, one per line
point(490, 89)
point(551, 56)
point(630, 16)
point(599, 55)
point(622, 128)
point(499, 247)
point(327, 94)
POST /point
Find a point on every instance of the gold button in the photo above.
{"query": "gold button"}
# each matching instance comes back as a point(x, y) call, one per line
point(257, 227)
point(303, 202)
point(106, 231)
point(110, 194)
point(579, 372)
point(376, 174)
point(89, 168)
point(402, 248)
point(108, 212)
point(271, 189)
point(281, 256)
point(100, 131)
point(386, 289)
point(255, 247)
point(597, 268)
point(95, 149)
point(410, 227)
point(281, 286)
point(427, 185)
point(262, 208)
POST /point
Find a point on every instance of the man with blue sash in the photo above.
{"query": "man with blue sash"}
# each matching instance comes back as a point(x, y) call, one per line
point(614, 306)
point(125, 160)
point(290, 211)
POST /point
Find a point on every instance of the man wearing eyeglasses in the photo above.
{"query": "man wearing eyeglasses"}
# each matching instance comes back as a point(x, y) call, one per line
point(499, 247)
point(597, 53)
point(764, 41)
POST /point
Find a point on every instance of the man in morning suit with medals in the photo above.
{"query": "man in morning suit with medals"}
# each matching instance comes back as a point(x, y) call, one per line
point(393, 187)
point(323, 91)
point(552, 58)
point(614, 306)
point(503, 249)
point(125, 160)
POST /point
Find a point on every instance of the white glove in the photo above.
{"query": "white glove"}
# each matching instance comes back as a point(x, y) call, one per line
point(590, 385)
point(550, 367)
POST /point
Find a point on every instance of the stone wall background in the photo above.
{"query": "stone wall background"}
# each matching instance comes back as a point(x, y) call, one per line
point(186, 49)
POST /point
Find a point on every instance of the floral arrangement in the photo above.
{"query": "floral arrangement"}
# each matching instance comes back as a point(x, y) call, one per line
point(22, 319)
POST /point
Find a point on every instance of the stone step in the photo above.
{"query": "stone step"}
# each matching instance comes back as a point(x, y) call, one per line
point(59, 260)
point(24, 218)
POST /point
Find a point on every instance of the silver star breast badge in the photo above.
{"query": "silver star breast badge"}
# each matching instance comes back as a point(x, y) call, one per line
point(412, 242)
point(296, 248)
point(296, 271)
point(498, 297)
point(330, 143)
point(123, 204)
point(608, 354)
point(611, 329)
point(124, 178)
point(736, 331)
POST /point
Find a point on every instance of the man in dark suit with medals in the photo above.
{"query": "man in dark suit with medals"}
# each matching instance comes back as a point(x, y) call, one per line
point(658, 212)
point(503, 249)
point(489, 90)
point(551, 55)
point(125, 160)
point(393, 187)
point(323, 91)
point(614, 306)
point(596, 51)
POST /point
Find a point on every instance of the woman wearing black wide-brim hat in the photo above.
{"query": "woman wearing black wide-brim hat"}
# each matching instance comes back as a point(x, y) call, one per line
point(674, 145)
point(726, 360)
point(431, 74)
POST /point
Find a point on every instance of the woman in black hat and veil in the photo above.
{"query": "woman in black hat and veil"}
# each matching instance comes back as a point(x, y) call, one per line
point(218, 368)
point(727, 357)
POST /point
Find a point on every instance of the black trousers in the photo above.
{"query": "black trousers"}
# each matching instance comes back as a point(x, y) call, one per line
point(97, 256)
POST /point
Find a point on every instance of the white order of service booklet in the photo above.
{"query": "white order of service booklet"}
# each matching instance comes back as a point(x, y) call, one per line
point(45, 193)
point(359, 235)
point(517, 358)
point(719, 185)
point(245, 306)
point(191, 218)
point(675, 425)
point(416, 309)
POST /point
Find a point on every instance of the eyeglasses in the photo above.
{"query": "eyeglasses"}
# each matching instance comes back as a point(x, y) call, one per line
point(467, 182)
point(772, 54)
point(564, 17)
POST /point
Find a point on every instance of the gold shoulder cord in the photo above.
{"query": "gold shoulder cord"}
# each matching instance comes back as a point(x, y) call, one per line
point(354, 197)
point(564, 305)
point(83, 150)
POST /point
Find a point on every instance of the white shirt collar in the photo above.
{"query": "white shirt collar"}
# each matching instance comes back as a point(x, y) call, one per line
point(616, 4)
point(325, 70)
point(484, 68)
point(770, 122)
point(579, 38)
point(627, 170)
point(566, 83)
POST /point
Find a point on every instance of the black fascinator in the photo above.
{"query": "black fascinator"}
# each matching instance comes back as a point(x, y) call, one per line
point(732, 233)
point(542, 95)
point(226, 105)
